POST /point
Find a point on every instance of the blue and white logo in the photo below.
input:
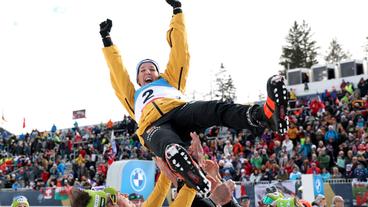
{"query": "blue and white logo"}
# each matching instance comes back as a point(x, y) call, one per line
point(318, 185)
point(138, 176)
point(138, 179)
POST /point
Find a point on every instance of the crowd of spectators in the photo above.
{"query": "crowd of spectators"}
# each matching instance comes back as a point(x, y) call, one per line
point(78, 156)
point(328, 135)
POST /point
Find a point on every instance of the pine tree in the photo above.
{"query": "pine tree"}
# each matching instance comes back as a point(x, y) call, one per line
point(309, 46)
point(335, 53)
point(301, 50)
point(225, 89)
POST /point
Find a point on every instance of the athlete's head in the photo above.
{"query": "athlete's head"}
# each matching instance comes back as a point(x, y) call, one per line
point(147, 72)
point(137, 199)
point(20, 201)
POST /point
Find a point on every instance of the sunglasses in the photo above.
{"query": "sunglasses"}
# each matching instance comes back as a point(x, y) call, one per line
point(112, 198)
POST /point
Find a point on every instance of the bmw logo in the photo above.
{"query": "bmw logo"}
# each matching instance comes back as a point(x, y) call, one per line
point(318, 186)
point(138, 179)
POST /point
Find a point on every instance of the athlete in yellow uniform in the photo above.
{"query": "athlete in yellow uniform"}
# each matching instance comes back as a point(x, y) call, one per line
point(165, 119)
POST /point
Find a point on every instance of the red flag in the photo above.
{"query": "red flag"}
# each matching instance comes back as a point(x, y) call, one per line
point(24, 123)
point(109, 124)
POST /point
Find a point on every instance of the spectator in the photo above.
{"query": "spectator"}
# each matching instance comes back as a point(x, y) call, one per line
point(256, 160)
point(282, 174)
point(325, 174)
point(255, 176)
point(316, 106)
point(305, 166)
point(247, 167)
point(338, 201)
point(323, 159)
point(295, 175)
point(340, 161)
point(361, 173)
point(288, 145)
point(306, 148)
point(320, 201)
point(314, 169)
point(267, 175)
point(264, 156)
point(228, 149)
point(237, 148)
point(331, 134)
point(336, 173)
point(292, 133)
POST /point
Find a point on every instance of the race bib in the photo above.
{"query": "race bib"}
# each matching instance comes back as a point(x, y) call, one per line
point(155, 90)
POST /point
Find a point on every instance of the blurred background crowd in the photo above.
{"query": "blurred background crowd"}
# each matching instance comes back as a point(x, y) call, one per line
point(328, 135)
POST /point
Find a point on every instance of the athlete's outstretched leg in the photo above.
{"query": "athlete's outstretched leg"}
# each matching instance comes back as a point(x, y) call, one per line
point(203, 114)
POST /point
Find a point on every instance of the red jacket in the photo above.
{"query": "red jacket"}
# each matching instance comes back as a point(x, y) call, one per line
point(237, 148)
point(315, 170)
point(315, 106)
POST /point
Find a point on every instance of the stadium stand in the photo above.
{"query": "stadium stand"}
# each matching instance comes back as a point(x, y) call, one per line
point(328, 136)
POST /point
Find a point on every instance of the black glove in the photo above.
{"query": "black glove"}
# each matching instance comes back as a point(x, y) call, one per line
point(105, 28)
point(176, 4)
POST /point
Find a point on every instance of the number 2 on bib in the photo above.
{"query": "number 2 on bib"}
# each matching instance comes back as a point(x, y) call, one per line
point(147, 95)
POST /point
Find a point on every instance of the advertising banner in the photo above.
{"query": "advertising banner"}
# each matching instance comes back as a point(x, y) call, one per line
point(360, 193)
point(138, 176)
point(287, 188)
point(318, 185)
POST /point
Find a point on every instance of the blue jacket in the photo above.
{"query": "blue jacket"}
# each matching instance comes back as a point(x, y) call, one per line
point(331, 134)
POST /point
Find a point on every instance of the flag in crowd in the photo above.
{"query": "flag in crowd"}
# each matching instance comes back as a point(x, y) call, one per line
point(79, 114)
point(113, 143)
point(3, 117)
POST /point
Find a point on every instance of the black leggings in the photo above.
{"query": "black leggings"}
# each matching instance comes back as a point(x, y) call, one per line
point(175, 126)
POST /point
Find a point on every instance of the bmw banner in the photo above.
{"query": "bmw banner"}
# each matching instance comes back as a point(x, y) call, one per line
point(138, 176)
point(318, 185)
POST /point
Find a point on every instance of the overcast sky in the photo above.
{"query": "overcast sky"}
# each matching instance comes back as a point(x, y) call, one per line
point(51, 61)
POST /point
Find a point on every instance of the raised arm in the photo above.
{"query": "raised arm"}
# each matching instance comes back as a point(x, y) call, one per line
point(120, 80)
point(177, 68)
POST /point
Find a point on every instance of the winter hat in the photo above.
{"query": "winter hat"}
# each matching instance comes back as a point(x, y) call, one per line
point(147, 61)
point(319, 198)
point(19, 200)
point(98, 198)
point(112, 193)
point(101, 196)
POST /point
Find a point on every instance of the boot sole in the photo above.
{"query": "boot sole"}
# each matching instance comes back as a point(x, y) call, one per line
point(182, 164)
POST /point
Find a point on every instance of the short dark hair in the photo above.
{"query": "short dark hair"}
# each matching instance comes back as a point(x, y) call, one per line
point(79, 198)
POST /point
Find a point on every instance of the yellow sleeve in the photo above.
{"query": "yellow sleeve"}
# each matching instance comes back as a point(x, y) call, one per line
point(185, 197)
point(176, 72)
point(159, 193)
point(124, 88)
